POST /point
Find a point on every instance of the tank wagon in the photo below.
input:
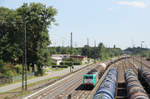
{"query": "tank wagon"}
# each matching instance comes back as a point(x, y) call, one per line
point(134, 88)
point(144, 74)
point(107, 88)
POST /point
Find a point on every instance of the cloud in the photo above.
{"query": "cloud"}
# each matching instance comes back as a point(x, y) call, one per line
point(110, 9)
point(133, 4)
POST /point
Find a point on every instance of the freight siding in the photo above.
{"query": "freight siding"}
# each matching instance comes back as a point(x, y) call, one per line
point(128, 86)
point(108, 86)
point(121, 80)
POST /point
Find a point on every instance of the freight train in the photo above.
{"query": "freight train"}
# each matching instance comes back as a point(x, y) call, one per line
point(144, 74)
point(134, 88)
point(144, 77)
point(108, 86)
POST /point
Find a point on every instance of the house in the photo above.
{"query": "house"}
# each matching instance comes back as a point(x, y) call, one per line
point(59, 57)
point(82, 59)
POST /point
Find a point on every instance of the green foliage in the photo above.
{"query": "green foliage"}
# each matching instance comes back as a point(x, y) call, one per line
point(100, 52)
point(77, 63)
point(40, 72)
point(18, 69)
point(138, 51)
point(38, 18)
point(64, 50)
point(6, 70)
point(68, 63)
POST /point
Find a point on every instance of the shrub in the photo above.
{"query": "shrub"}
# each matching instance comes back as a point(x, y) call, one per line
point(68, 63)
point(40, 73)
point(62, 63)
point(77, 63)
point(18, 69)
point(58, 66)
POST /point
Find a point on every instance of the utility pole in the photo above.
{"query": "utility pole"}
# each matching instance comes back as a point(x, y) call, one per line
point(88, 49)
point(24, 68)
point(141, 55)
point(23, 75)
point(95, 51)
point(70, 49)
point(88, 41)
point(133, 54)
point(25, 52)
point(95, 43)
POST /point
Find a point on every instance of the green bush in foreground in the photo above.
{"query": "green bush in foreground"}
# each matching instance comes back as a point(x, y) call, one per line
point(7, 70)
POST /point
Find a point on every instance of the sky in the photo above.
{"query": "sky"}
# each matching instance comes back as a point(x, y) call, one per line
point(121, 22)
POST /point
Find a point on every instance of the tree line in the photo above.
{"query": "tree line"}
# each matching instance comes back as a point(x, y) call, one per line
point(97, 52)
point(138, 51)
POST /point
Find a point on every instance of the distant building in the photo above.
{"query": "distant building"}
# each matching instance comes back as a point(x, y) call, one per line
point(82, 59)
point(59, 57)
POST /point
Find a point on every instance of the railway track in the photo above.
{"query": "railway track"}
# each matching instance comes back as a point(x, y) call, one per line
point(145, 63)
point(71, 87)
point(84, 93)
point(63, 87)
point(121, 89)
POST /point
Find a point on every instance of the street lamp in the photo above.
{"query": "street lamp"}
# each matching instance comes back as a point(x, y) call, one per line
point(141, 55)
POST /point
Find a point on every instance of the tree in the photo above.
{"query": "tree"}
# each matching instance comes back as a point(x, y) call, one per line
point(10, 41)
point(86, 51)
point(101, 52)
point(38, 18)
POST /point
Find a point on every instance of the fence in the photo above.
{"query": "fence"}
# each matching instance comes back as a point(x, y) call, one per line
point(13, 79)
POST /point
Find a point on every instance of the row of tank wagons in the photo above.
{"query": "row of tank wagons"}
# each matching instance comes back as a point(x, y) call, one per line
point(144, 74)
point(91, 78)
point(107, 88)
point(116, 59)
point(134, 88)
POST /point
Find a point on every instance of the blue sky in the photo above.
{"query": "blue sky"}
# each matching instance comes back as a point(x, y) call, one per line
point(119, 22)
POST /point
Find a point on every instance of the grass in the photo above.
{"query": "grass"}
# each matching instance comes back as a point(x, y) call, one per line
point(56, 69)
point(24, 93)
point(17, 81)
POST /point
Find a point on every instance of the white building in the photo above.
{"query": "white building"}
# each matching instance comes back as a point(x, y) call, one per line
point(59, 57)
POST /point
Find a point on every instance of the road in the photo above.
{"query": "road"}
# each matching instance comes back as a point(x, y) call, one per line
point(50, 75)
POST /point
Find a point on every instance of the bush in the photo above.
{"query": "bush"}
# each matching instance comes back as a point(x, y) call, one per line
point(58, 66)
point(18, 69)
point(77, 63)
point(7, 70)
point(68, 63)
point(40, 73)
point(62, 63)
